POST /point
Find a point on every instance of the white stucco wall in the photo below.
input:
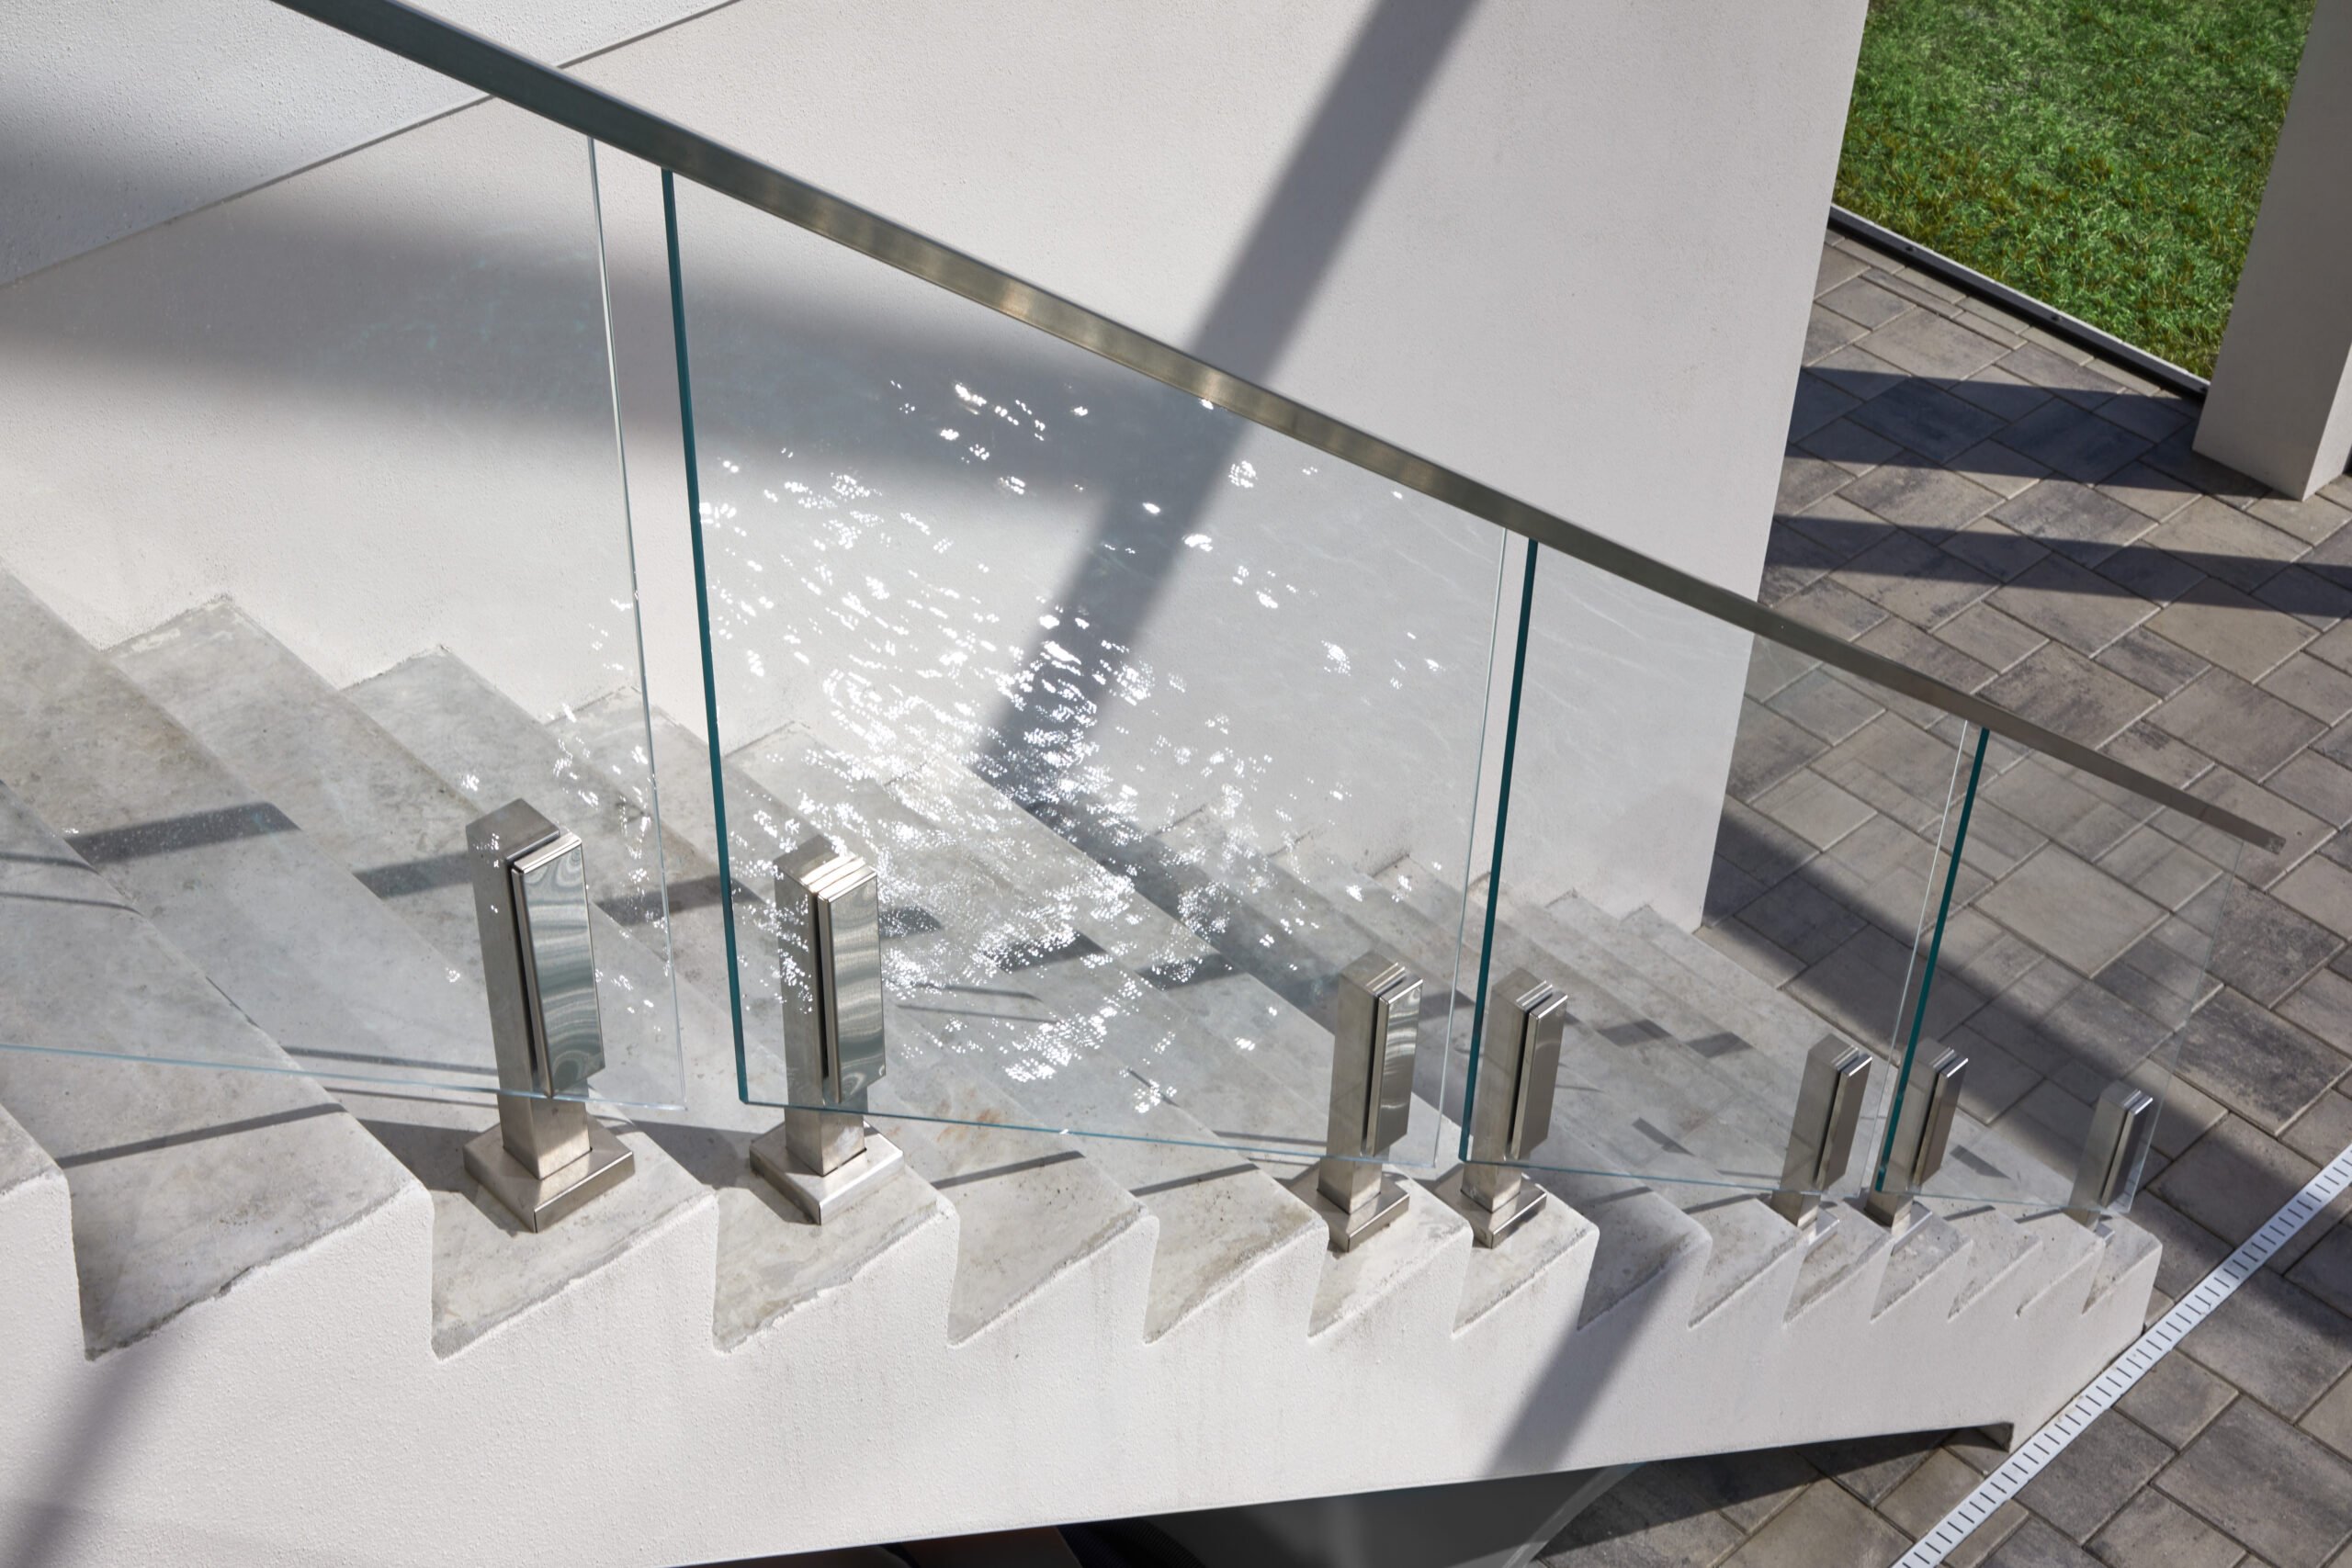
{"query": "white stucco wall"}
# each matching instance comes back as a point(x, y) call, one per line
point(1565, 247)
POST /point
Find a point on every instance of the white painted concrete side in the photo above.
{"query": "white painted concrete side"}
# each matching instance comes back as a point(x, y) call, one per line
point(1564, 247)
point(2281, 406)
point(302, 1416)
point(117, 114)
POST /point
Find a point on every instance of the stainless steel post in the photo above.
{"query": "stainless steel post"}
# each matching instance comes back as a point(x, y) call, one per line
point(1821, 1140)
point(1922, 1129)
point(547, 1156)
point(2123, 1124)
point(1519, 1064)
point(1376, 1017)
point(823, 1156)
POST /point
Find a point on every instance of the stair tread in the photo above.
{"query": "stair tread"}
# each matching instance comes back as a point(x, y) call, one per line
point(305, 950)
point(379, 813)
point(182, 1181)
point(1021, 1224)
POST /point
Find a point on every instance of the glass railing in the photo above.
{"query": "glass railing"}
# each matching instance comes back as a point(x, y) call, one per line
point(318, 555)
point(1121, 697)
point(1097, 744)
point(2074, 927)
point(1154, 718)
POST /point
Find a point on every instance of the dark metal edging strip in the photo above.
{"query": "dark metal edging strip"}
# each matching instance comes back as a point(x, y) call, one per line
point(2040, 312)
point(551, 93)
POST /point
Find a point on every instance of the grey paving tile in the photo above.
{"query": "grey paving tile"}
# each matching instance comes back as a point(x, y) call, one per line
point(1900, 640)
point(2079, 384)
point(2256, 1063)
point(2236, 723)
point(2190, 1251)
point(2081, 1489)
point(2148, 491)
point(1805, 479)
point(2154, 1531)
point(1863, 301)
point(1802, 919)
point(2267, 1484)
point(1918, 414)
point(2175, 1398)
point(1826, 706)
point(1746, 1488)
point(2331, 1419)
point(1793, 561)
point(2276, 1341)
point(2314, 685)
point(1824, 1527)
point(1994, 548)
point(2302, 831)
point(1813, 809)
point(2324, 1131)
point(2037, 1544)
point(2073, 518)
point(1990, 638)
point(2224, 542)
point(2159, 755)
point(1931, 345)
point(2266, 948)
point(2319, 787)
point(2242, 634)
point(1998, 391)
point(1651, 1519)
point(1766, 750)
point(2154, 663)
point(2065, 601)
point(2176, 456)
point(2326, 1270)
point(1834, 523)
point(1835, 609)
point(2059, 688)
point(1818, 402)
point(2233, 1179)
point(2158, 416)
point(2188, 1112)
point(2335, 645)
point(1824, 330)
point(1916, 580)
point(1860, 374)
point(2313, 521)
point(2069, 908)
point(1920, 1501)
point(1851, 447)
point(2321, 891)
point(2318, 597)
point(1918, 497)
point(1998, 467)
point(2073, 441)
point(1758, 846)
point(1836, 267)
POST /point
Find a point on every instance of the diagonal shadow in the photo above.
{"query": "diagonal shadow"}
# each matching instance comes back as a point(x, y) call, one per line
point(1108, 600)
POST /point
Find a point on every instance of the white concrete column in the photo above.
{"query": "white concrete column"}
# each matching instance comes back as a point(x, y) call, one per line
point(2280, 408)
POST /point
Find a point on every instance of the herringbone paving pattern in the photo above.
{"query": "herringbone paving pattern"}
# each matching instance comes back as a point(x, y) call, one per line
point(1978, 498)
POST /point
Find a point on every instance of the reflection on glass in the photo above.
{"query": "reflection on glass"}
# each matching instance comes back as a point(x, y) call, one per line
point(1128, 702)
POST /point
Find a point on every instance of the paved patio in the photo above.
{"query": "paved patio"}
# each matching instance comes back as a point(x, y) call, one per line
point(1975, 497)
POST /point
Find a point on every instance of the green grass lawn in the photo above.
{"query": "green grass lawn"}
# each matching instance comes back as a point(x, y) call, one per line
point(2104, 155)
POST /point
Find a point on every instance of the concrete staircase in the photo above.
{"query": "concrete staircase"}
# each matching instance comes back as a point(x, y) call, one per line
point(225, 1289)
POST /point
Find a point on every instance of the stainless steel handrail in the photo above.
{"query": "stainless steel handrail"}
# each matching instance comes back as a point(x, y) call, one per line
point(550, 93)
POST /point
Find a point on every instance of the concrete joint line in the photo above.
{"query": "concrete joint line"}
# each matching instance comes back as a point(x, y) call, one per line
point(2132, 1365)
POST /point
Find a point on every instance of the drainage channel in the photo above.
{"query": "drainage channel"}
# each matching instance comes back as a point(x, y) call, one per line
point(2128, 1368)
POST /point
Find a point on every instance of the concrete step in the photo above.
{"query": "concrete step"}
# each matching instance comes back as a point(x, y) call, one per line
point(1020, 1222)
point(363, 797)
point(307, 953)
point(183, 1182)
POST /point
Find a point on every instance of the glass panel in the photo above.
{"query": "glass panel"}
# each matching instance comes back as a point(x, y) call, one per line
point(317, 551)
point(1719, 852)
point(1128, 702)
point(2082, 923)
